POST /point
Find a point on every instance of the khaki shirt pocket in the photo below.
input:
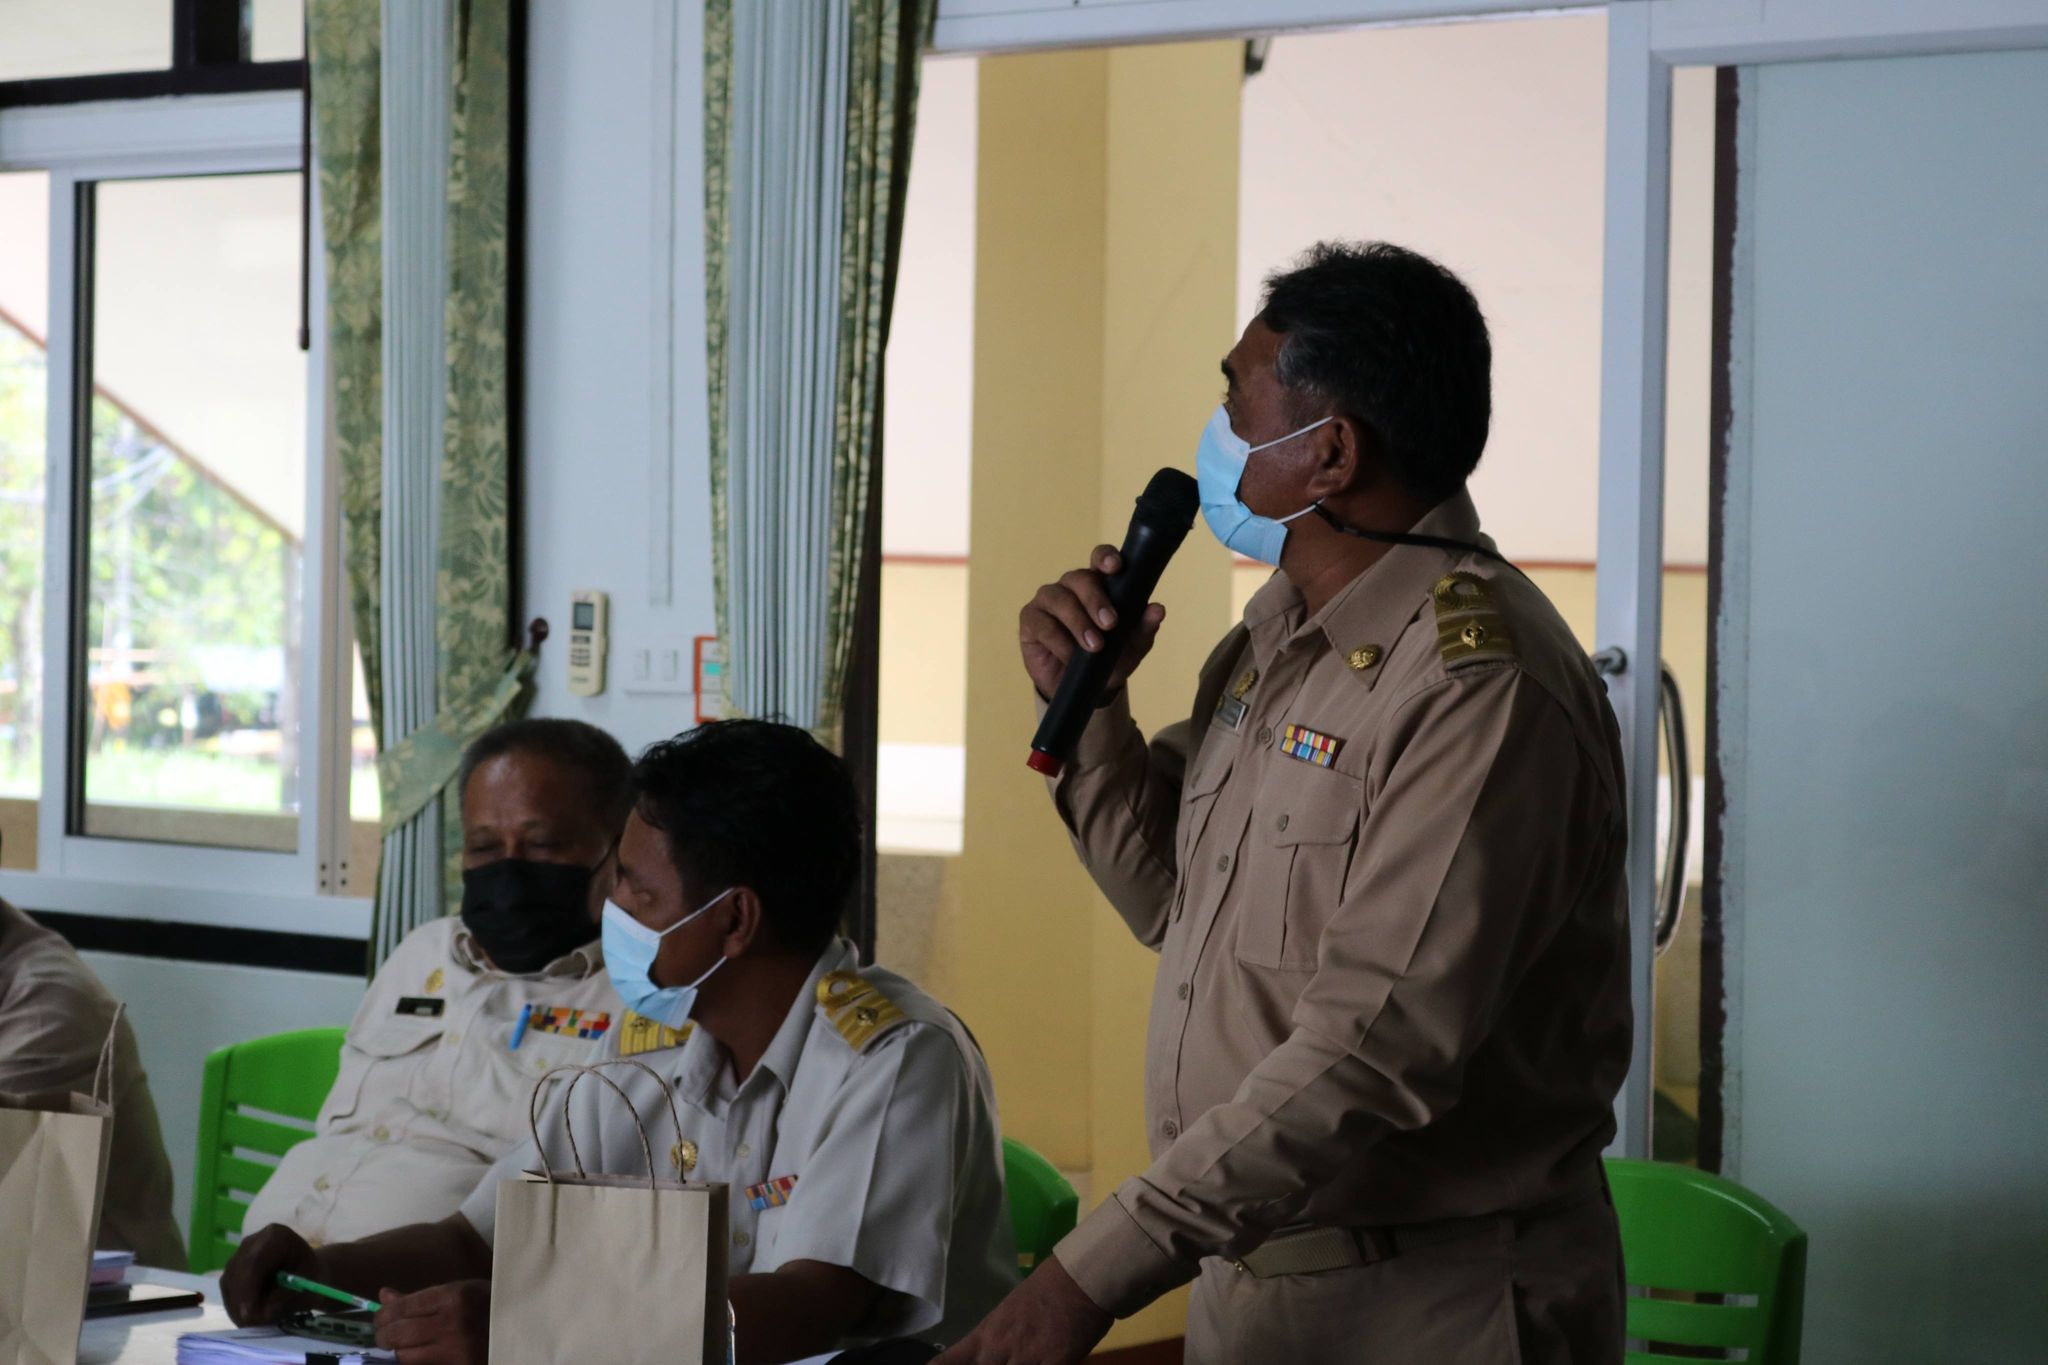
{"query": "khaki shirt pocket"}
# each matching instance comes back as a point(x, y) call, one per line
point(378, 1063)
point(1198, 796)
point(1297, 857)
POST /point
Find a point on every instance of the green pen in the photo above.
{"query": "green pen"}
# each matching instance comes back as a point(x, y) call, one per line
point(306, 1286)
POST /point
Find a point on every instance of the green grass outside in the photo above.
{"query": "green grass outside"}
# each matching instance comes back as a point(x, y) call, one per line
point(194, 777)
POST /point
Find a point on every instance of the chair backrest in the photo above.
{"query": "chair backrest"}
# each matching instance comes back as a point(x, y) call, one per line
point(1738, 1261)
point(1043, 1206)
point(258, 1100)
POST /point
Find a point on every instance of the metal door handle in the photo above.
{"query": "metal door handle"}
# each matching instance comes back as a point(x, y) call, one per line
point(1678, 763)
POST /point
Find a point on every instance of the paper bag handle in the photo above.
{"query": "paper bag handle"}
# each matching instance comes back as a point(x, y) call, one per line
point(103, 1074)
point(576, 1074)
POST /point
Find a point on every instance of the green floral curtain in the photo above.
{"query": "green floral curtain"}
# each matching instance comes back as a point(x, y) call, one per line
point(342, 42)
point(482, 679)
point(889, 38)
point(479, 678)
point(865, 105)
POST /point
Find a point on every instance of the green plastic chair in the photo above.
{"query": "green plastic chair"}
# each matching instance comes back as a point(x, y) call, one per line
point(1692, 1233)
point(287, 1074)
point(1043, 1206)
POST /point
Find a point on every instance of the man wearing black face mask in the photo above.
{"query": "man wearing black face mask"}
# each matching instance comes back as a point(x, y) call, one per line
point(469, 1011)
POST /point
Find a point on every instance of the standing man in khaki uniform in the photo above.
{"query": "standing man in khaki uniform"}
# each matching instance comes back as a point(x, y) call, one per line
point(1383, 865)
point(470, 1010)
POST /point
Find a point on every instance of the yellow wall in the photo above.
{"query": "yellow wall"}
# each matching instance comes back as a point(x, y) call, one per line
point(1104, 295)
point(924, 653)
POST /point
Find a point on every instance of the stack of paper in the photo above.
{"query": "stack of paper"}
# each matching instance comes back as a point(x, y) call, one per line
point(270, 1346)
point(109, 1266)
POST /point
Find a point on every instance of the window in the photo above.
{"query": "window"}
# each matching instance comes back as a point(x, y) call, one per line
point(277, 30)
point(48, 38)
point(192, 517)
point(24, 309)
point(181, 731)
point(66, 51)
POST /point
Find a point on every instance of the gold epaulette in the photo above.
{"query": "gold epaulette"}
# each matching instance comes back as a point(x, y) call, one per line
point(1468, 625)
point(638, 1034)
point(860, 1012)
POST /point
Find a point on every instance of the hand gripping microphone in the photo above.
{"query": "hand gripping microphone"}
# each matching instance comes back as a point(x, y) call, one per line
point(1165, 511)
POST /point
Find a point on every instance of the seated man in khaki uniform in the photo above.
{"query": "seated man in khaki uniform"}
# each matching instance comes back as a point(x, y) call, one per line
point(469, 1011)
point(850, 1113)
point(54, 1017)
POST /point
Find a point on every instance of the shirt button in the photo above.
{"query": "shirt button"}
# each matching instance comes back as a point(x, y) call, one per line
point(1183, 991)
point(1265, 735)
point(743, 1151)
point(1281, 823)
point(382, 1134)
point(454, 1039)
point(1170, 1128)
point(740, 1239)
point(321, 1183)
point(1223, 863)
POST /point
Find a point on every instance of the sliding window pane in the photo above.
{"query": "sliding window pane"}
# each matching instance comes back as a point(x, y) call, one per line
point(40, 38)
point(24, 308)
point(192, 705)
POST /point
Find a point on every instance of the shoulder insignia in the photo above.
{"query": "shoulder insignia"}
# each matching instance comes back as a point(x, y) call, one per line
point(857, 1009)
point(1468, 624)
point(638, 1034)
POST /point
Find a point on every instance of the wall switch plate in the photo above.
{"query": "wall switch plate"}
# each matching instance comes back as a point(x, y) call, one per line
point(659, 665)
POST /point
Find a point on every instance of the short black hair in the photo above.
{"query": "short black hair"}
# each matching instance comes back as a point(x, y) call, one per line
point(1390, 339)
point(577, 746)
point(760, 804)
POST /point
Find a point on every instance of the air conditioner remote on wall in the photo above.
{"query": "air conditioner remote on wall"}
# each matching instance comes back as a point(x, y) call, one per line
point(588, 641)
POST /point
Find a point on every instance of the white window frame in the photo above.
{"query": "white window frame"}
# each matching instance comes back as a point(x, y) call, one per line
point(121, 878)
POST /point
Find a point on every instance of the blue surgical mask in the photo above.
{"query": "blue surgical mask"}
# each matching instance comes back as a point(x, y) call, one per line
point(1219, 469)
point(630, 948)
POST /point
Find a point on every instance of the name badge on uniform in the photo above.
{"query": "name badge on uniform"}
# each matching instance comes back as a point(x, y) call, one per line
point(771, 1194)
point(420, 1006)
point(1310, 746)
point(1232, 709)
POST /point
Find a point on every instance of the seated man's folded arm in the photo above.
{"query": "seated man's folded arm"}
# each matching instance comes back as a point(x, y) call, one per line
point(804, 1308)
point(875, 1200)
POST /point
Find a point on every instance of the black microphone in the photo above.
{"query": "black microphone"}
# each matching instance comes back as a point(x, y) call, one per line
point(1166, 509)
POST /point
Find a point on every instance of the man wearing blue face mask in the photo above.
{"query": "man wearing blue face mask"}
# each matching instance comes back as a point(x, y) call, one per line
point(1382, 864)
point(851, 1114)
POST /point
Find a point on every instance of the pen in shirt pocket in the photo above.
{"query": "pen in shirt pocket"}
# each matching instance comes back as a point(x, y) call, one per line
point(519, 1029)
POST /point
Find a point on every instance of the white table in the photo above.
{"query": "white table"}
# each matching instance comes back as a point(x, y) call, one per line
point(152, 1338)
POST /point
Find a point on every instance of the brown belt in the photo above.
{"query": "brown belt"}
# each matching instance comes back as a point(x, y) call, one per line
point(1311, 1250)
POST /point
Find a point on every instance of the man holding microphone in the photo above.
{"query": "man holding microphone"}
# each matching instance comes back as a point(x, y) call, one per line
point(1382, 863)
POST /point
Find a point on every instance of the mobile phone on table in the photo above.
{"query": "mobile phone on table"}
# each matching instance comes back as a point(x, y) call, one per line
point(349, 1327)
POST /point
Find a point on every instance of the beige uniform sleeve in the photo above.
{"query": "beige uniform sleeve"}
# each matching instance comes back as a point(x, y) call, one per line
point(1120, 800)
point(1483, 823)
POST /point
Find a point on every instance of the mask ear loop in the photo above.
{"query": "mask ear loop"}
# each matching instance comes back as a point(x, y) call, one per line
point(1250, 451)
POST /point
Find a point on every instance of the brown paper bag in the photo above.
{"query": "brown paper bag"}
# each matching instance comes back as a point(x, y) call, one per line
point(607, 1269)
point(53, 1175)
